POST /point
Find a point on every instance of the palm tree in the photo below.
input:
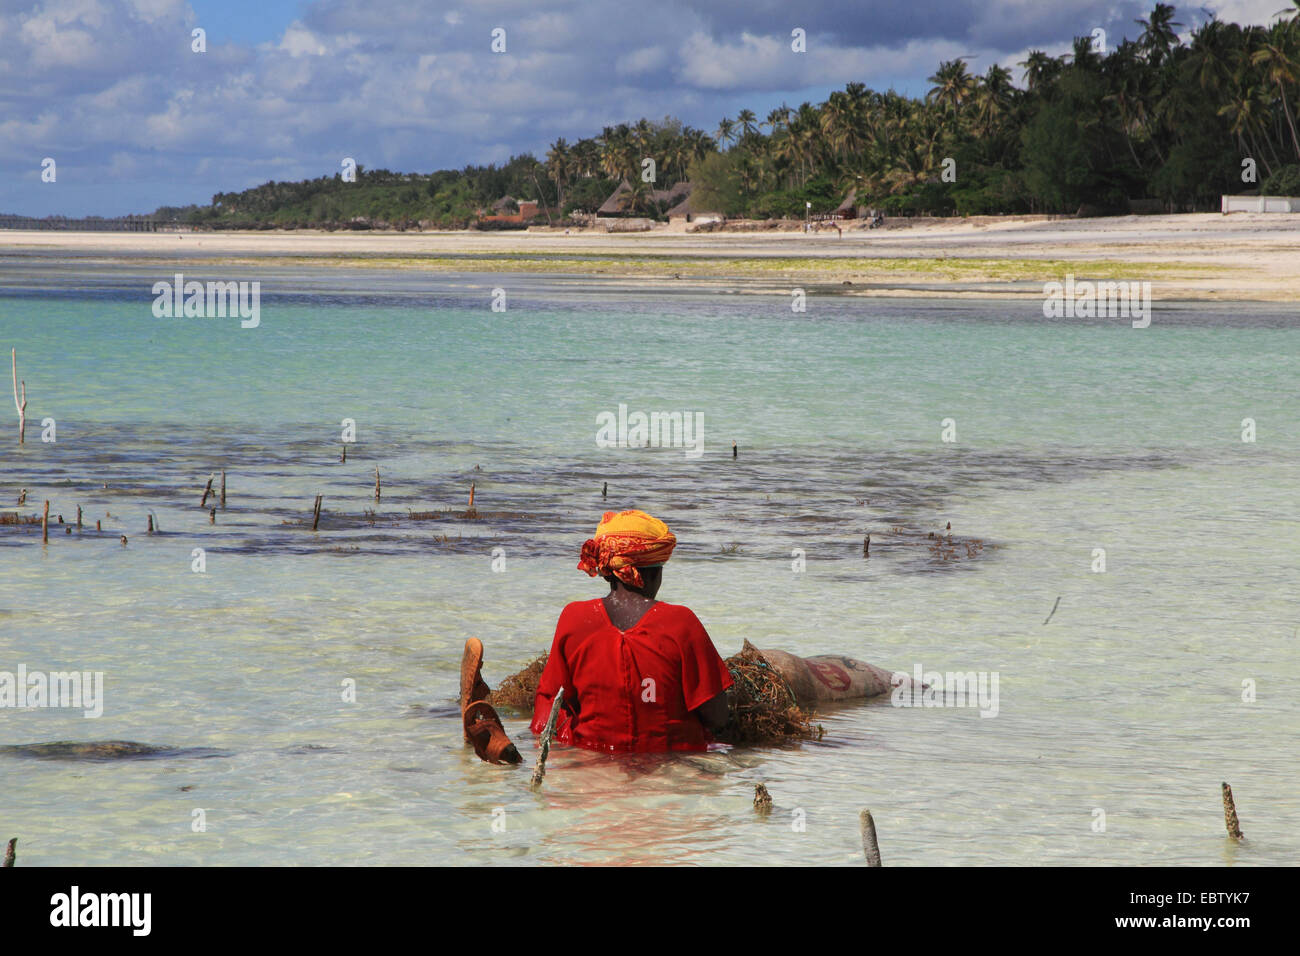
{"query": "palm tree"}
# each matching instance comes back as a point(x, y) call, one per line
point(558, 167)
point(1210, 55)
point(1039, 67)
point(1158, 34)
point(777, 119)
point(1245, 109)
point(726, 131)
point(953, 85)
point(1085, 56)
point(1281, 70)
point(748, 123)
point(993, 97)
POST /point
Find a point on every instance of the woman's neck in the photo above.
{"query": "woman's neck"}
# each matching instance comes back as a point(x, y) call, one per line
point(625, 607)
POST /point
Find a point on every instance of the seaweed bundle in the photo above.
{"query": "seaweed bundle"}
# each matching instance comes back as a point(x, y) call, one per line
point(519, 690)
point(763, 708)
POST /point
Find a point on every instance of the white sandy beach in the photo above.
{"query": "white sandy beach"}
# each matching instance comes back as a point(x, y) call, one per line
point(1196, 256)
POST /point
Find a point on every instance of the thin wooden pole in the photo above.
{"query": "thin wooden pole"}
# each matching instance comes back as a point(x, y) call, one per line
point(206, 492)
point(471, 496)
point(45, 524)
point(1053, 610)
point(344, 458)
point(870, 846)
point(545, 747)
point(604, 490)
point(78, 517)
point(315, 518)
point(22, 407)
point(223, 489)
point(1230, 814)
point(151, 524)
point(377, 492)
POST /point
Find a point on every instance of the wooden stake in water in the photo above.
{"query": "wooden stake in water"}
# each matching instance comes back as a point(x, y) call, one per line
point(97, 526)
point(315, 517)
point(604, 490)
point(223, 489)
point(377, 492)
point(207, 491)
point(21, 406)
point(547, 733)
point(734, 452)
point(1054, 607)
point(212, 516)
point(471, 496)
point(1230, 814)
point(11, 852)
point(78, 517)
point(866, 546)
point(151, 524)
point(344, 458)
point(870, 846)
point(45, 524)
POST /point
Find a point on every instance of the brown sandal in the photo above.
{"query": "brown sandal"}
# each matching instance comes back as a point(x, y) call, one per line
point(483, 727)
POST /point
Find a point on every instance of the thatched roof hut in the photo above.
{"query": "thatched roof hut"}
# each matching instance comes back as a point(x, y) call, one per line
point(619, 202)
point(688, 211)
point(848, 209)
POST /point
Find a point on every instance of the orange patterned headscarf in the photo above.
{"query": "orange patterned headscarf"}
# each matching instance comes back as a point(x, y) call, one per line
point(625, 541)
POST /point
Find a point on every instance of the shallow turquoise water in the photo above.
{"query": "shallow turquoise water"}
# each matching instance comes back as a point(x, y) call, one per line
point(1070, 436)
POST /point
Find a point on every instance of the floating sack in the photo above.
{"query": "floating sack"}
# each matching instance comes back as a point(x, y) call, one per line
point(763, 708)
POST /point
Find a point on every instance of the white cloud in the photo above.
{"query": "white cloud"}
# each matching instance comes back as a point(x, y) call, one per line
point(645, 60)
point(1247, 11)
point(299, 41)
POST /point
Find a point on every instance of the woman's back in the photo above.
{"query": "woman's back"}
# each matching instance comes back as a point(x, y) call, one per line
point(633, 689)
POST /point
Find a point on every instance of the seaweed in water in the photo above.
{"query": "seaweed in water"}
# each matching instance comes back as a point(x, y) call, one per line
point(519, 690)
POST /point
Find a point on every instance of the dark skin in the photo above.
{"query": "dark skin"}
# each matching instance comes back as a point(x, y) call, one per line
point(626, 605)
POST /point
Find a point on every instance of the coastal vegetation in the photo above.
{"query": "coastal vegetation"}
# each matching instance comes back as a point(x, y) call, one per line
point(1155, 119)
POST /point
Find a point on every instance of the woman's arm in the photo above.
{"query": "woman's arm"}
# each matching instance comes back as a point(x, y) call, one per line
point(713, 713)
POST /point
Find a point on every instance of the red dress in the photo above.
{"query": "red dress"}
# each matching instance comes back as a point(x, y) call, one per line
point(630, 690)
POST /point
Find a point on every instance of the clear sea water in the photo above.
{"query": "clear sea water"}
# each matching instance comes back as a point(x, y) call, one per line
point(1070, 436)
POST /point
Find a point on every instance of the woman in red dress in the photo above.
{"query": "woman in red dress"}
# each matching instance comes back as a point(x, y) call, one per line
point(639, 675)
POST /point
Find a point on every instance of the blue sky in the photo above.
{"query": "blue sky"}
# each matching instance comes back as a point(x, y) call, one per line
point(247, 21)
point(133, 118)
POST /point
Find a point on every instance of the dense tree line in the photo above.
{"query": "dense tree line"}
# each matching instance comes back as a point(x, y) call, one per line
point(1154, 118)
